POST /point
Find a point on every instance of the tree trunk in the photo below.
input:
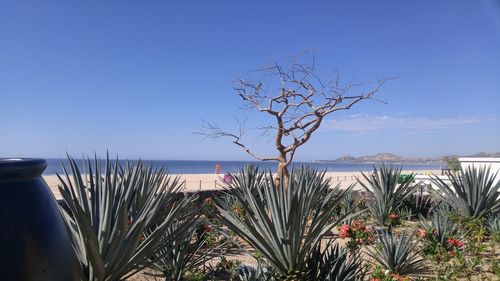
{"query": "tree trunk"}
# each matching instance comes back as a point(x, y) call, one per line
point(281, 173)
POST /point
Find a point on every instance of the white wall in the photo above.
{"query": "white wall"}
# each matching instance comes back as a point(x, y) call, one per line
point(465, 162)
point(492, 162)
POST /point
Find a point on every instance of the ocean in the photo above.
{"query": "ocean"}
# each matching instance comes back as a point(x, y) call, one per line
point(208, 167)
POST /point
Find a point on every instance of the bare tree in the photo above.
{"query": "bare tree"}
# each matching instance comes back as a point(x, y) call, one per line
point(298, 101)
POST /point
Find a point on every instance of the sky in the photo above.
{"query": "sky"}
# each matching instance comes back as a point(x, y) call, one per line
point(138, 77)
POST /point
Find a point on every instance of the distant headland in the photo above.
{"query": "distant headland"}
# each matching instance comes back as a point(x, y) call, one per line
point(392, 158)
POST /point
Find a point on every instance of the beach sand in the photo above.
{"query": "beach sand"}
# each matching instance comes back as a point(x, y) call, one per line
point(208, 182)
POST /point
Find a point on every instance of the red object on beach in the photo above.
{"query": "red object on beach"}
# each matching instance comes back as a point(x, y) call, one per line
point(217, 168)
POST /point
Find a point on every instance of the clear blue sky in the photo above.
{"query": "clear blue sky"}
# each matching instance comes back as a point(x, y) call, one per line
point(136, 77)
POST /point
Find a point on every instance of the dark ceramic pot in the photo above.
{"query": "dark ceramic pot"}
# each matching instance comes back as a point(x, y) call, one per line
point(34, 243)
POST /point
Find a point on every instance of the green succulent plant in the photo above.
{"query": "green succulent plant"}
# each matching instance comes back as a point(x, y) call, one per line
point(181, 256)
point(398, 254)
point(285, 223)
point(334, 263)
point(258, 273)
point(474, 193)
point(385, 192)
point(493, 224)
point(442, 226)
point(117, 216)
point(419, 205)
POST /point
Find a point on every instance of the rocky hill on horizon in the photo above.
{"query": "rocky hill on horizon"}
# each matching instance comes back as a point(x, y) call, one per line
point(392, 158)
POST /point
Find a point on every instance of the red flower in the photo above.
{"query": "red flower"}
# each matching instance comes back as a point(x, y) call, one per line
point(455, 242)
point(207, 228)
point(393, 216)
point(451, 253)
point(397, 276)
point(344, 231)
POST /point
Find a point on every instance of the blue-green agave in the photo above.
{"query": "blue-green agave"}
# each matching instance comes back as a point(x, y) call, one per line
point(385, 192)
point(117, 216)
point(474, 193)
point(285, 223)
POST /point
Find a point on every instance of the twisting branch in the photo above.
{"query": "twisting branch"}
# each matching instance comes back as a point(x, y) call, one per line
point(214, 132)
point(298, 101)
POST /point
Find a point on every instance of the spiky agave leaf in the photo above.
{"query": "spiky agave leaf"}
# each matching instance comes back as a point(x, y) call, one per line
point(110, 210)
point(493, 224)
point(285, 223)
point(334, 263)
point(176, 258)
point(442, 224)
point(398, 254)
point(474, 192)
point(384, 190)
point(247, 273)
point(419, 205)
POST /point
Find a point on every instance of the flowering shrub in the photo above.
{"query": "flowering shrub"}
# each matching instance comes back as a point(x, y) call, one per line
point(207, 232)
point(421, 233)
point(434, 247)
point(385, 275)
point(208, 208)
point(358, 233)
point(393, 219)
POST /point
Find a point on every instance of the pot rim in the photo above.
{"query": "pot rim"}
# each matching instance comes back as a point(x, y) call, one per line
point(17, 168)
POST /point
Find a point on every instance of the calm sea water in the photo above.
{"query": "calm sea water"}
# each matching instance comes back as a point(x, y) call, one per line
point(208, 167)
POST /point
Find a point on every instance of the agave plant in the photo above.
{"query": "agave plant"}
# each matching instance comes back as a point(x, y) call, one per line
point(348, 203)
point(285, 223)
point(419, 205)
point(110, 211)
point(247, 273)
point(398, 254)
point(173, 260)
point(441, 227)
point(387, 195)
point(474, 192)
point(334, 263)
point(493, 224)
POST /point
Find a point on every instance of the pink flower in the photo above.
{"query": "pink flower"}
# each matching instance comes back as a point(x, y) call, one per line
point(344, 231)
point(421, 233)
point(393, 216)
point(208, 201)
point(344, 227)
point(228, 178)
point(207, 228)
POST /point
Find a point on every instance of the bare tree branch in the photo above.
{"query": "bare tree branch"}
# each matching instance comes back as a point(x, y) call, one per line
point(211, 131)
point(298, 101)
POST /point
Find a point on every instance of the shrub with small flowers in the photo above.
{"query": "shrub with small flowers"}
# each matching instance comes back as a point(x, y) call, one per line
point(437, 249)
point(358, 233)
point(385, 275)
point(208, 208)
point(393, 220)
point(207, 232)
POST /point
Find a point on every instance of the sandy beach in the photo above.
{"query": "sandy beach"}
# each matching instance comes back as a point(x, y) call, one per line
point(207, 182)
